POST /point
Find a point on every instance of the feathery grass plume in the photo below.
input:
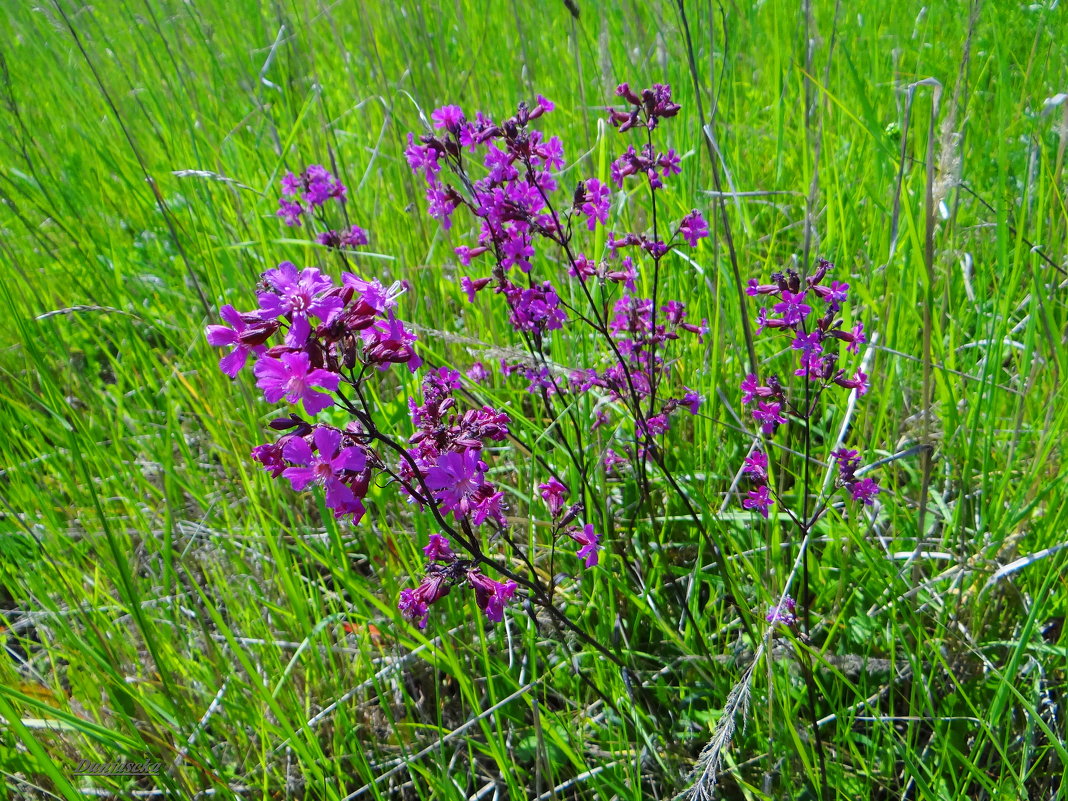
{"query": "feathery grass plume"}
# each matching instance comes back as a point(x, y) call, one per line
point(702, 780)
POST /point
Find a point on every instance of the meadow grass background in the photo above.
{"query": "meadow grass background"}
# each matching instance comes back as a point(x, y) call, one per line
point(164, 599)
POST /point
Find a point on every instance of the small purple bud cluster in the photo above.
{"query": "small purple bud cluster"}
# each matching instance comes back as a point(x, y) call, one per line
point(811, 337)
point(445, 570)
point(649, 107)
point(305, 196)
point(783, 613)
point(554, 493)
point(447, 450)
point(329, 330)
point(860, 489)
point(512, 200)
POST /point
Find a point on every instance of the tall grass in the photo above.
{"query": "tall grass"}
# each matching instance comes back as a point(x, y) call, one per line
point(165, 600)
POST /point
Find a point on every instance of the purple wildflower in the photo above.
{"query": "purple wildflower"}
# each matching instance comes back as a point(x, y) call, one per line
point(438, 549)
point(448, 117)
point(767, 414)
point(415, 604)
point(291, 376)
point(220, 336)
point(298, 296)
point(793, 308)
point(693, 228)
point(553, 492)
point(588, 539)
point(453, 478)
point(783, 612)
point(290, 211)
point(596, 203)
point(478, 373)
point(864, 490)
point(756, 464)
point(325, 467)
point(758, 499)
point(491, 596)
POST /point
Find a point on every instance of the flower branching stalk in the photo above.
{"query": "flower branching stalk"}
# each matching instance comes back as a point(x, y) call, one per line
point(515, 204)
point(807, 311)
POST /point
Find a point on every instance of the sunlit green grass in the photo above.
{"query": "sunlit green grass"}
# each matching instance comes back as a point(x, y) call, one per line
point(167, 601)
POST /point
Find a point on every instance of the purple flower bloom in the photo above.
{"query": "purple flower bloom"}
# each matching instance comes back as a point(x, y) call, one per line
point(422, 158)
point(415, 604)
point(536, 308)
point(812, 365)
point(354, 237)
point(471, 288)
point(693, 228)
point(487, 504)
point(466, 254)
point(767, 414)
point(692, 401)
point(858, 338)
point(750, 385)
point(220, 336)
point(793, 308)
point(270, 456)
point(808, 343)
point(754, 288)
point(453, 478)
point(553, 493)
point(447, 117)
point(756, 464)
point(611, 460)
point(758, 499)
point(298, 296)
point(597, 202)
point(389, 342)
point(654, 426)
point(864, 490)
point(782, 612)
point(588, 539)
point(438, 550)
point(669, 164)
point(478, 373)
point(859, 382)
point(290, 184)
point(325, 467)
point(291, 376)
point(290, 212)
point(836, 293)
point(490, 595)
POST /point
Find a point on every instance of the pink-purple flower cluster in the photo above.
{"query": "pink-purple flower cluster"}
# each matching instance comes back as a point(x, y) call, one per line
point(445, 570)
point(807, 312)
point(783, 613)
point(304, 196)
point(308, 191)
point(447, 450)
point(555, 493)
point(512, 200)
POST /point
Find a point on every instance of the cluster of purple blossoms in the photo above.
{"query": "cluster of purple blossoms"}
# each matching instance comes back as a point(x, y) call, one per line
point(329, 330)
point(784, 612)
point(513, 202)
point(309, 192)
point(447, 451)
point(445, 570)
point(860, 489)
point(333, 333)
point(812, 333)
point(554, 493)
